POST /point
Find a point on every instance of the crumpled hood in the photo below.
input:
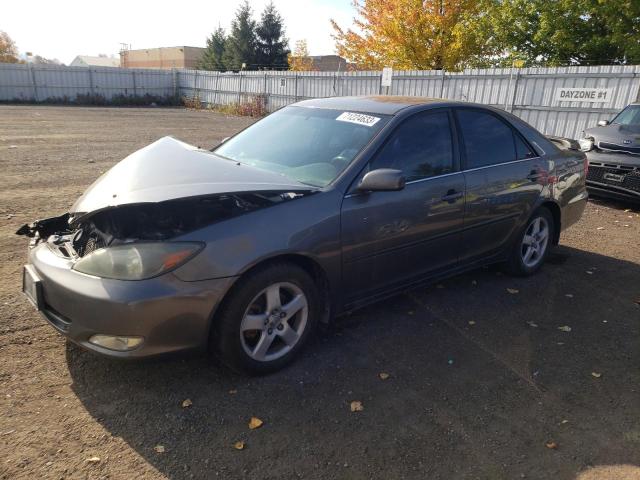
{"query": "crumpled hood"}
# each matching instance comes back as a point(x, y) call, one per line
point(169, 169)
point(616, 134)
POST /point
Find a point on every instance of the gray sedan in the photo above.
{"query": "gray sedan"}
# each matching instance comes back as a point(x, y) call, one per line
point(318, 209)
point(613, 151)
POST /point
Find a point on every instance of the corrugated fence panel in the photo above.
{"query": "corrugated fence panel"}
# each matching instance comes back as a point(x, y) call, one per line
point(535, 98)
point(15, 82)
point(155, 82)
point(281, 89)
point(54, 83)
point(529, 93)
point(19, 82)
point(112, 82)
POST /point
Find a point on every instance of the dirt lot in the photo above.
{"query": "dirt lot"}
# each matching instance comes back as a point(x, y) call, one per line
point(482, 381)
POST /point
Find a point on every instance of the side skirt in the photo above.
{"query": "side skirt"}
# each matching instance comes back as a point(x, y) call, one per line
point(419, 282)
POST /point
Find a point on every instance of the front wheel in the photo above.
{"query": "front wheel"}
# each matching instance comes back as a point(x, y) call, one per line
point(267, 319)
point(533, 244)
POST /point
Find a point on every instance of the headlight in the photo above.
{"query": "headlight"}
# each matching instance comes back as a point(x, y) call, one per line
point(137, 261)
point(586, 144)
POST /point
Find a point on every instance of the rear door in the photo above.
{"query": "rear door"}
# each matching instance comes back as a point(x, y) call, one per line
point(392, 238)
point(504, 178)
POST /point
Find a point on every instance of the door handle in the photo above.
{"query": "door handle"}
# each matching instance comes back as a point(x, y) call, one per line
point(452, 196)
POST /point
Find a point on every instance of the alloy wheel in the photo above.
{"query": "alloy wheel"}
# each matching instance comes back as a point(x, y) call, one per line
point(274, 322)
point(535, 242)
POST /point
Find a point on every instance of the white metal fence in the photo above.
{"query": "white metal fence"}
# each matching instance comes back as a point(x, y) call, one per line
point(529, 93)
point(54, 83)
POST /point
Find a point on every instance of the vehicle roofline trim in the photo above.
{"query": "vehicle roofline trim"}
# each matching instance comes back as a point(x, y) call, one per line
point(503, 163)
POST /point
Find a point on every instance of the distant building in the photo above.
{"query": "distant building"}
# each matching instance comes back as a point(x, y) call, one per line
point(329, 63)
point(89, 61)
point(163, 57)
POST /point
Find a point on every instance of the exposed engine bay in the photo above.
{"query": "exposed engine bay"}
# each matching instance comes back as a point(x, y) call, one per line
point(76, 235)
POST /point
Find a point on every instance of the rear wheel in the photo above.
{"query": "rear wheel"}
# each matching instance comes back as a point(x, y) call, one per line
point(533, 244)
point(267, 319)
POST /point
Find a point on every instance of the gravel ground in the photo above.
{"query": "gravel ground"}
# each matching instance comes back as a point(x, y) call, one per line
point(482, 382)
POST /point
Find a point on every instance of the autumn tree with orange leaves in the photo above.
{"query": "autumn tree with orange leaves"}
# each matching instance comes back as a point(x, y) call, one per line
point(411, 34)
point(8, 50)
point(299, 60)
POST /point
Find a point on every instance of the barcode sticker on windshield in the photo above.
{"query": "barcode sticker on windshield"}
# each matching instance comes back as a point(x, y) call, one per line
point(359, 118)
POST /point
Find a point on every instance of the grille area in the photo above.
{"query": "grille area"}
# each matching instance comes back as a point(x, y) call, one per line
point(630, 176)
point(619, 148)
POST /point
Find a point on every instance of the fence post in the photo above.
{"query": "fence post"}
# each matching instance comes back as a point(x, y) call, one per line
point(91, 85)
point(265, 93)
point(444, 76)
point(196, 92)
point(174, 79)
point(33, 82)
point(215, 88)
point(240, 88)
point(295, 86)
point(513, 93)
point(135, 87)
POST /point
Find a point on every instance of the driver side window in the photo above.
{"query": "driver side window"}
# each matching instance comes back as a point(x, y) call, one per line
point(421, 147)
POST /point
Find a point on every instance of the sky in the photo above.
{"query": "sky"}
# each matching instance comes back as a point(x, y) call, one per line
point(65, 28)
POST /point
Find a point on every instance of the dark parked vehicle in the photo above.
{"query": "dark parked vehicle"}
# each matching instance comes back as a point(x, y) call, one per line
point(317, 209)
point(613, 150)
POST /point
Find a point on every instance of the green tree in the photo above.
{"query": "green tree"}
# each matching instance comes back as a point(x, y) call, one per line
point(240, 46)
point(272, 45)
point(8, 49)
point(213, 56)
point(560, 32)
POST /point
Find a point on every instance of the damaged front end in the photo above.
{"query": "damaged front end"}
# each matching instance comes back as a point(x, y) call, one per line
point(79, 234)
point(158, 193)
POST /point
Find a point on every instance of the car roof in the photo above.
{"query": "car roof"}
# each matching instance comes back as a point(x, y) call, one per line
point(376, 104)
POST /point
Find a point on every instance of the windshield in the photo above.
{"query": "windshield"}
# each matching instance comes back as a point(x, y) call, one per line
point(628, 116)
point(310, 145)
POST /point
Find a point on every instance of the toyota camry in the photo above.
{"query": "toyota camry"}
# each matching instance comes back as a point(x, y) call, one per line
point(319, 208)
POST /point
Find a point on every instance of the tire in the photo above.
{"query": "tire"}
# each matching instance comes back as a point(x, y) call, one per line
point(267, 319)
point(532, 245)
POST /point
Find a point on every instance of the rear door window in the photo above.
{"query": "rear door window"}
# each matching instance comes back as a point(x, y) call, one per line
point(487, 139)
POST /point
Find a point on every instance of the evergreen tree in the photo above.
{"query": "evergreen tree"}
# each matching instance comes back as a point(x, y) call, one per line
point(212, 59)
point(272, 45)
point(241, 43)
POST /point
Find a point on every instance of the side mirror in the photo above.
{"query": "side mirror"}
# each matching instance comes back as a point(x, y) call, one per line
point(382, 180)
point(224, 140)
point(603, 123)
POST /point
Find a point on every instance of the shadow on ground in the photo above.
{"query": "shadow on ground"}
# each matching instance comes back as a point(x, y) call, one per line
point(480, 381)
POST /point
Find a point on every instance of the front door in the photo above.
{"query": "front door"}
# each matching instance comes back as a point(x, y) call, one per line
point(390, 239)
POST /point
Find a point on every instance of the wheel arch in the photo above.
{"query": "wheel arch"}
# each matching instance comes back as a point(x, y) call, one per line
point(305, 262)
point(555, 211)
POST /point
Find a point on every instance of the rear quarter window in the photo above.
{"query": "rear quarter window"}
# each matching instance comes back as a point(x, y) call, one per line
point(541, 144)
